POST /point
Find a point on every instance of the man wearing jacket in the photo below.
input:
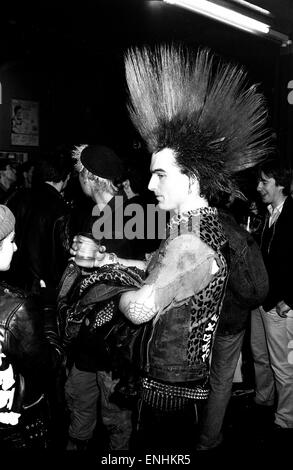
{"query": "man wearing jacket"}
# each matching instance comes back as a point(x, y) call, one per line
point(91, 379)
point(40, 237)
point(272, 324)
point(247, 287)
point(7, 180)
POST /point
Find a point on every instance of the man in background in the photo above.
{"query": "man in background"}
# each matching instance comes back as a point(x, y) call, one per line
point(41, 259)
point(7, 179)
point(272, 323)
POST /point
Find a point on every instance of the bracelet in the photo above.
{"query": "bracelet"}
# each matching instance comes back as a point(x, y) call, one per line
point(113, 258)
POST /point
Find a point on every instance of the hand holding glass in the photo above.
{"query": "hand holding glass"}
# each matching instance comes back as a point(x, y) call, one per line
point(86, 250)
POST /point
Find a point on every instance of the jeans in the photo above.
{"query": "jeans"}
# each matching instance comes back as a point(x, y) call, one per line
point(225, 354)
point(278, 332)
point(83, 391)
point(264, 377)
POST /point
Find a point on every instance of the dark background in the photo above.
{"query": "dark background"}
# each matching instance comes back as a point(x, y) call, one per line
point(71, 58)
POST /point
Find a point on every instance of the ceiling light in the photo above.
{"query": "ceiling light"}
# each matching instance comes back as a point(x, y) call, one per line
point(253, 7)
point(223, 14)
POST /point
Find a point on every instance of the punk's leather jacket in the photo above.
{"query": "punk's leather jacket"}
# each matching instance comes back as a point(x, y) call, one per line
point(29, 344)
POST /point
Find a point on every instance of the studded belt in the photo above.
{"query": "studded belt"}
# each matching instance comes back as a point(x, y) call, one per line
point(171, 396)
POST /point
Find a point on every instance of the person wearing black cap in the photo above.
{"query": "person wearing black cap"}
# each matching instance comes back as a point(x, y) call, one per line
point(101, 161)
point(101, 174)
point(91, 376)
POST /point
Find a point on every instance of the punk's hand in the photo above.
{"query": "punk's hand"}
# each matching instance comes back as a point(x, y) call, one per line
point(74, 247)
point(100, 257)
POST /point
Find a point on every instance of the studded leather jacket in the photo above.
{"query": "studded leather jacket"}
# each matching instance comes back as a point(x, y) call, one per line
point(29, 349)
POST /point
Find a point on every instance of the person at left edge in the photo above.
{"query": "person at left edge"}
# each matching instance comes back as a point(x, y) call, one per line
point(30, 352)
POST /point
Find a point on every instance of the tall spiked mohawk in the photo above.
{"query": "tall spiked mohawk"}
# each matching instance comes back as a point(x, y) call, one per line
point(202, 110)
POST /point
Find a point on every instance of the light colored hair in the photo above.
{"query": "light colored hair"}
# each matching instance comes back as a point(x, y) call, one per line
point(76, 153)
point(101, 184)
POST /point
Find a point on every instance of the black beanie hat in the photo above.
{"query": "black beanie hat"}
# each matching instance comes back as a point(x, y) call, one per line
point(102, 161)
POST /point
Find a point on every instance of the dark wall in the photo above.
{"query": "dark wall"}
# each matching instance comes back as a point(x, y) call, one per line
point(77, 54)
point(19, 80)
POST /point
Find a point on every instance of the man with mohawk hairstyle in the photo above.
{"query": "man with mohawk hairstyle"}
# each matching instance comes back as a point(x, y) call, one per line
point(201, 129)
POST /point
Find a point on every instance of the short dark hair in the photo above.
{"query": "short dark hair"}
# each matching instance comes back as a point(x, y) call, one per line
point(52, 168)
point(273, 168)
point(138, 170)
point(17, 108)
point(4, 162)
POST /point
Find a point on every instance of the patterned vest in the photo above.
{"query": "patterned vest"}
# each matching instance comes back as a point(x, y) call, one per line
point(178, 342)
